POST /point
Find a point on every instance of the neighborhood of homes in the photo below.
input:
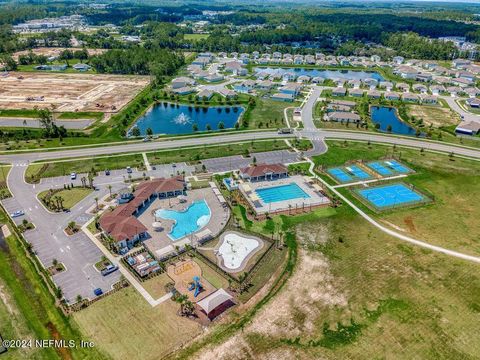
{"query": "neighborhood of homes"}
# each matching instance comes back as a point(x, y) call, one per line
point(424, 81)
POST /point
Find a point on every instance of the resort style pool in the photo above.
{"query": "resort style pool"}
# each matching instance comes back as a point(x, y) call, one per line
point(389, 196)
point(192, 219)
point(387, 117)
point(325, 74)
point(281, 193)
point(169, 118)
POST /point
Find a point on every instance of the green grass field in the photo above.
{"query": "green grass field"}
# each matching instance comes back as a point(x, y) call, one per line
point(71, 197)
point(358, 293)
point(267, 114)
point(125, 326)
point(207, 152)
point(38, 171)
point(451, 220)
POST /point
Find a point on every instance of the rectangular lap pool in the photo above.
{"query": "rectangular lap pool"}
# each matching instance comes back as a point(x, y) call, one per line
point(392, 195)
point(281, 193)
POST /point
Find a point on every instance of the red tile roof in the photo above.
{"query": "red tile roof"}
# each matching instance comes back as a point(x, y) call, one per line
point(263, 169)
point(120, 224)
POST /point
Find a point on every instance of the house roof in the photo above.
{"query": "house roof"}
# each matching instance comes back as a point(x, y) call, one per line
point(263, 169)
point(343, 115)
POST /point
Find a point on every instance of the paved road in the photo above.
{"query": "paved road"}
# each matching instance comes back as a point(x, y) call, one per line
point(76, 124)
point(465, 115)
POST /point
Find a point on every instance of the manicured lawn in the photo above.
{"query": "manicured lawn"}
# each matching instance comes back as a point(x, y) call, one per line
point(125, 326)
point(357, 293)
point(267, 114)
point(451, 221)
point(71, 197)
point(42, 170)
point(34, 312)
point(156, 285)
point(207, 152)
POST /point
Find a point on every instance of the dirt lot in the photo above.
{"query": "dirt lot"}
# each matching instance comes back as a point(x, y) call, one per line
point(69, 92)
point(436, 115)
point(55, 51)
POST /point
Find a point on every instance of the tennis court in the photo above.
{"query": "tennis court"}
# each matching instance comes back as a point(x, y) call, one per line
point(391, 195)
point(388, 167)
point(350, 173)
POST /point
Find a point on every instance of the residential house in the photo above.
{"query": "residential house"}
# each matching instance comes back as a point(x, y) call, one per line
point(183, 90)
point(244, 87)
point(398, 60)
point(181, 82)
point(468, 128)
point(437, 89)
point(409, 97)
point(283, 97)
point(473, 102)
point(420, 88)
point(460, 63)
point(356, 92)
point(375, 58)
point(339, 91)
point(391, 96)
point(403, 87)
point(387, 85)
point(265, 85)
point(227, 93)
point(205, 94)
point(291, 88)
point(343, 116)
point(462, 82)
point(429, 99)
point(373, 94)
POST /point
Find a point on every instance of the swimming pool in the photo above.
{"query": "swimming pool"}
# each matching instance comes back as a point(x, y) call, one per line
point(192, 219)
point(281, 193)
point(391, 195)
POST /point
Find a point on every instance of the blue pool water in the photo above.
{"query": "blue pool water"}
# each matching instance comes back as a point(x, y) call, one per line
point(326, 74)
point(386, 116)
point(379, 168)
point(195, 217)
point(169, 118)
point(340, 175)
point(390, 195)
point(281, 193)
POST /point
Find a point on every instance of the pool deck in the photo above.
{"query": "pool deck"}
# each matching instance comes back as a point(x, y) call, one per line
point(260, 207)
point(159, 243)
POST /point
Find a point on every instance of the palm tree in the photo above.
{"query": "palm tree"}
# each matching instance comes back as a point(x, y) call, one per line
point(96, 201)
point(60, 201)
point(110, 190)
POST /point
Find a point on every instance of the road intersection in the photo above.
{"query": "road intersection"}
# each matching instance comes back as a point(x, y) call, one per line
point(79, 254)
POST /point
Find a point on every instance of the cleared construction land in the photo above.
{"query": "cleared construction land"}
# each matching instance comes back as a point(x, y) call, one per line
point(69, 92)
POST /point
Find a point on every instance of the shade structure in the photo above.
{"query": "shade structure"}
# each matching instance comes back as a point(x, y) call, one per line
point(214, 300)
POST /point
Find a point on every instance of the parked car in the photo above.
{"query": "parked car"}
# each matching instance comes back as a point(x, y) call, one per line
point(17, 213)
point(146, 139)
point(73, 176)
point(109, 269)
point(129, 169)
point(107, 172)
point(98, 292)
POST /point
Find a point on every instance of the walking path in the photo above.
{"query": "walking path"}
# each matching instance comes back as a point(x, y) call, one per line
point(388, 231)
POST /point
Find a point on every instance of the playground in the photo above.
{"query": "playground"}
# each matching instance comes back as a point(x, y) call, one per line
point(189, 281)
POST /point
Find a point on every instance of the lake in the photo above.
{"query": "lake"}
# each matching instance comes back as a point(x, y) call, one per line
point(169, 118)
point(326, 74)
point(386, 116)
